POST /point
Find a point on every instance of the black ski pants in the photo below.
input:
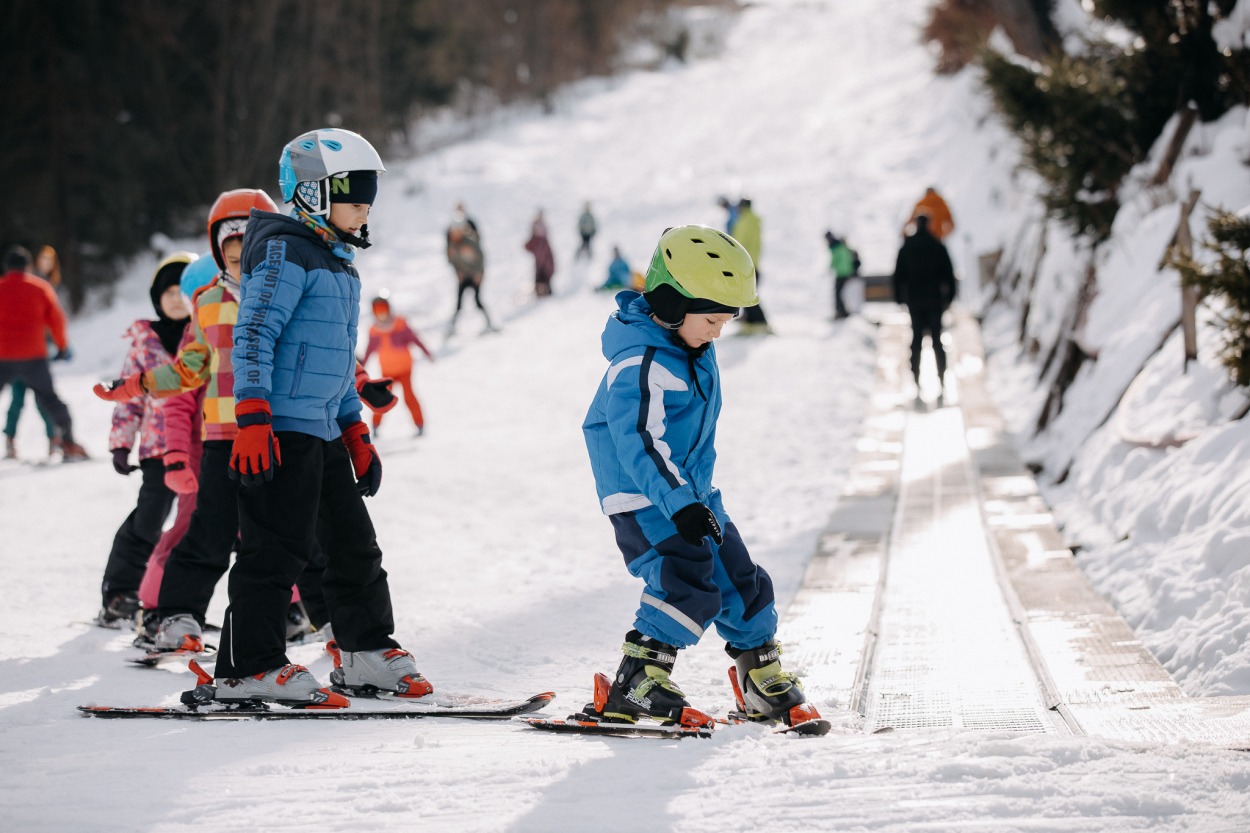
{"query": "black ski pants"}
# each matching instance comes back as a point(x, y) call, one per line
point(138, 534)
point(202, 557)
point(839, 305)
point(278, 528)
point(926, 319)
point(37, 376)
point(755, 314)
point(474, 284)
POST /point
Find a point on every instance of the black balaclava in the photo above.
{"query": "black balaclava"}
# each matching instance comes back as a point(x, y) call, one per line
point(168, 330)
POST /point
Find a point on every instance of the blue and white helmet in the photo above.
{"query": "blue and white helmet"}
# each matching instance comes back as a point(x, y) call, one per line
point(309, 160)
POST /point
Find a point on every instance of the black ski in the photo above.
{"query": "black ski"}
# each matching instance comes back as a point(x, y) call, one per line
point(463, 706)
point(154, 659)
point(584, 724)
point(588, 724)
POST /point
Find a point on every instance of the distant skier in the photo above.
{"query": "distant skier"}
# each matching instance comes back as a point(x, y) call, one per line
point(586, 228)
point(619, 272)
point(392, 340)
point(544, 259)
point(461, 220)
point(650, 432)
point(931, 205)
point(47, 266)
point(844, 263)
point(731, 212)
point(142, 417)
point(29, 314)
point(464, 253)
point(748, 230)
point(924, 280)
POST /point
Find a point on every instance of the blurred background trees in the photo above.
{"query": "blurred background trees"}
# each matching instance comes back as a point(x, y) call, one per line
point(1089, 109)
point(125, 119)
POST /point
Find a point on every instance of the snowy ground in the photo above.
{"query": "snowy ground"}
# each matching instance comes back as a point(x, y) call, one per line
point(506, 578)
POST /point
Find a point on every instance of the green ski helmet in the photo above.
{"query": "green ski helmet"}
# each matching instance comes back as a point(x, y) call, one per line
point(698, 269)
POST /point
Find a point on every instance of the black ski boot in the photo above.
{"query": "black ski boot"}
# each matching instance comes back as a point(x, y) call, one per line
point(764, 691)
point(642, 687)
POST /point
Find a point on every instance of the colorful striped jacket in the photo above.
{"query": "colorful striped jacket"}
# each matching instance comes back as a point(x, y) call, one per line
point(205, 361)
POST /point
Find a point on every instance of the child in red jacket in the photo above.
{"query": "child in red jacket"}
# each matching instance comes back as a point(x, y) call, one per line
point(392, 339)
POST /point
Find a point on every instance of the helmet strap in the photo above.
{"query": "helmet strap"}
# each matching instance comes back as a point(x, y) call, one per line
point(360, 241)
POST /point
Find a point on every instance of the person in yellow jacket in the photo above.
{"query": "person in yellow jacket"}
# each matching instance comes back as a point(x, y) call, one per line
point(747, 229)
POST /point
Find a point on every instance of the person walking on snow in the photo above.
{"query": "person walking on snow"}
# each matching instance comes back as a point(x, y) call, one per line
point(544, 259)
point(152, 343)
point(748, 230)
point(650, 432)
point(844, 264)
point(392, 340)
point(931, 205)
point(586, 228)
point(924, 281)
point(302, 447)
point(29, 313)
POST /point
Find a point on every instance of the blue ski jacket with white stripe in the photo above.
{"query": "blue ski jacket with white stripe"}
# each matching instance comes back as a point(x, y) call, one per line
point(651, 429)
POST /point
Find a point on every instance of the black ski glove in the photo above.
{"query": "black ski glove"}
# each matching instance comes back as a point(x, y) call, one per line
point(121, 461)
point(376, 393)
point(695, 522)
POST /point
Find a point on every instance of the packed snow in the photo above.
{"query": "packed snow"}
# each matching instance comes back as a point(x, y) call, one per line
point(505, 575)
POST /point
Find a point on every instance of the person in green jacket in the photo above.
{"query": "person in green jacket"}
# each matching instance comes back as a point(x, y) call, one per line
point(844, 264)
point(748, 231)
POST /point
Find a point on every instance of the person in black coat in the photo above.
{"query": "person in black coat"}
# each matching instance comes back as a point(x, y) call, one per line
point(924, 280)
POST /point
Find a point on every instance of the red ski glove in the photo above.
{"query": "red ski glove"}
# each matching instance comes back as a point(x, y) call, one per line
point(178, 474)
point(121, 390)
point(365, 461)
point(255, 453)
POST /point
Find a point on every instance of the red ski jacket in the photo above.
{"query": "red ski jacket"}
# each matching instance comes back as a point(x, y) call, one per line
point(28, 311)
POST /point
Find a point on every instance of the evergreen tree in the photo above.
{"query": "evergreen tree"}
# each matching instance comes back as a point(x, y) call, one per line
point(1087, 119)
point(1226, 279)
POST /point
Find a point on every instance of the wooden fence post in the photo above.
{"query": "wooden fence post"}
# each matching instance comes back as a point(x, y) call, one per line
point(1189, 292)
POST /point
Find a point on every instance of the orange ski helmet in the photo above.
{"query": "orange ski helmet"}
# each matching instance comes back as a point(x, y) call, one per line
point(228, 217)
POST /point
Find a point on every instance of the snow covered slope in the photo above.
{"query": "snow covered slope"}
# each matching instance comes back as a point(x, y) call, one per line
point(506, 578)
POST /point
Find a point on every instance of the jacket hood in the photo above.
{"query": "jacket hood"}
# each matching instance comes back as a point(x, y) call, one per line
point(631, 326)
point(263, 225)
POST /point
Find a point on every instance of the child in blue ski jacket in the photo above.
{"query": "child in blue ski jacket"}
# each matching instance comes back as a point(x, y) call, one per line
point(651, 433)
point(302, 450)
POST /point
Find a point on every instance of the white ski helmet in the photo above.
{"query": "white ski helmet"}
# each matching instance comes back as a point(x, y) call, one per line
point(309, 161)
